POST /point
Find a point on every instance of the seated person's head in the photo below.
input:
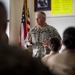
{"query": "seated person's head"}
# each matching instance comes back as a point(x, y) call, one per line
point(3, 17)
point(3, 20)
point(69, 38)
point(55, 44)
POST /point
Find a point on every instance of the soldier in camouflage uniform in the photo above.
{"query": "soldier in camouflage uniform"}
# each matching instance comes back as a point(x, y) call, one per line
point(38, 36)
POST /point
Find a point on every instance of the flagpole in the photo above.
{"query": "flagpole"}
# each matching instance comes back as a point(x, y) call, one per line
point(26, 13)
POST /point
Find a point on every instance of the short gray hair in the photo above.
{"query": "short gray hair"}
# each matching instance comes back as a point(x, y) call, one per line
point(42, 13)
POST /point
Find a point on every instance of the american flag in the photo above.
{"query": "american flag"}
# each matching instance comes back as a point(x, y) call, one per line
point(25, 24)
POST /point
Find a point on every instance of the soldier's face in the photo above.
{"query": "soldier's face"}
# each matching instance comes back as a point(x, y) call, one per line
point(40, 19)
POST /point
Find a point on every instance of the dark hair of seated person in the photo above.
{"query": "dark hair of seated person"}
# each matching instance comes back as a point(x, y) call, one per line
point(69, 38)
point(55, 44)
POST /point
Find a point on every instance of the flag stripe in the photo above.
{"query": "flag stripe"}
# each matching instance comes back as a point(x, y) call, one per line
point(25, 25)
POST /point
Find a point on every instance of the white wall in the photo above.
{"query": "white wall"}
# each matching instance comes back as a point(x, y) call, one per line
point(61, 22)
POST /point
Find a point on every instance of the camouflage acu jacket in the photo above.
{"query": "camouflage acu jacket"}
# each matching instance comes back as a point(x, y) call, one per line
point(38, 36)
